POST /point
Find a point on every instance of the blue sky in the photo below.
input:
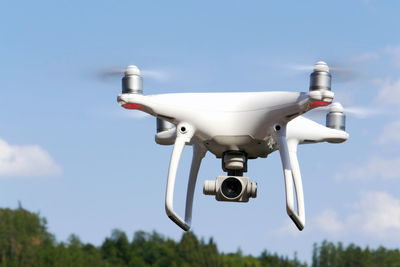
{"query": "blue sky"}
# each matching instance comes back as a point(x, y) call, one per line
point(70, 152)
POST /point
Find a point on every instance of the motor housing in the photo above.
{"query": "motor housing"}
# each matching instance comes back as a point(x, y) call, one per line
point(166, 132)
point(336, 119)
point(132, 81)
point(320, 78)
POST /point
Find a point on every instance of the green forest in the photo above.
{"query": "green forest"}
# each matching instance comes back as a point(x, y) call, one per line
point(25, 241)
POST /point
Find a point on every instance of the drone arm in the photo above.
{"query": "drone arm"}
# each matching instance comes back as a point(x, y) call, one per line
point(185, 133)
point(292, 175)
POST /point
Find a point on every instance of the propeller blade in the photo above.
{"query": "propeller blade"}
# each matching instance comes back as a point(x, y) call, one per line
point(117, 73)
point(339, 73)
point(355, 111)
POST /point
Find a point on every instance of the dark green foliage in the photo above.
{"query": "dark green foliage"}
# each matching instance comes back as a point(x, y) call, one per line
point(23, 235)
point(25, 242)
point(331, 255)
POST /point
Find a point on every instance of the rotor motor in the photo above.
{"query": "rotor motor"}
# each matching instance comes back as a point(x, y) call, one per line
point(320, 78)
point(336, 119)
point(132, 81)
point(166, 132)
point(163, 125)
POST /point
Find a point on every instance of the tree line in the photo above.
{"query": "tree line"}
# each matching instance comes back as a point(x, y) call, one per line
point(25, 241)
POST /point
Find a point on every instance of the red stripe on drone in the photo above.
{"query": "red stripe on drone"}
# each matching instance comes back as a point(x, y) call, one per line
point(132, 106)
point(318, 103)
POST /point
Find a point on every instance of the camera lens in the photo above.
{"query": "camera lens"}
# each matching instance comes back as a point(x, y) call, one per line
point(231, 187)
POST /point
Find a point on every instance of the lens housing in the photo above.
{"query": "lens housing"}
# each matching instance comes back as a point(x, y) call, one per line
point(231, 187)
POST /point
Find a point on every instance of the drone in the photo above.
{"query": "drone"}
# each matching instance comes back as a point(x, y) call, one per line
point(237, 127)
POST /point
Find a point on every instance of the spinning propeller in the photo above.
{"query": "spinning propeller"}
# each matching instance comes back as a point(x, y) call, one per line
point(341, 72)
point(116, 73)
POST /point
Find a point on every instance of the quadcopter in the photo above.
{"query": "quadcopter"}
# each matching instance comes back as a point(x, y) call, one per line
point(236, 127)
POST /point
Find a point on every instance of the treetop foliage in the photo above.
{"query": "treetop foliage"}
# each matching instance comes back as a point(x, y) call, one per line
point(25, 241)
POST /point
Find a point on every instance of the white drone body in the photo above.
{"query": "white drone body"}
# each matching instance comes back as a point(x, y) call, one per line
point(236, 127)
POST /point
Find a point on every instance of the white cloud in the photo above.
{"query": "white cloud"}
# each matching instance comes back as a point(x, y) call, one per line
point(388, 53)
point(375, 214)
point(328, 221)
point(28, 160)
point(394, 53)
point(369, 56)
point(390, 133)
point(389, 91)
point(374, 168)
point(287, 228)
